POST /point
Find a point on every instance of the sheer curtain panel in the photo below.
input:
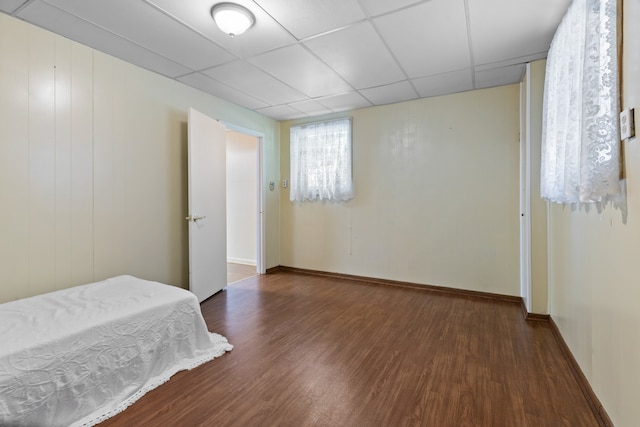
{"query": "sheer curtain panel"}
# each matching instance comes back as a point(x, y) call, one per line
point(580, 136)
point(321, 161)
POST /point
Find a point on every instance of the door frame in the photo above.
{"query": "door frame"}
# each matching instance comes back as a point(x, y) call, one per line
point(525, 189)
point(260, 239)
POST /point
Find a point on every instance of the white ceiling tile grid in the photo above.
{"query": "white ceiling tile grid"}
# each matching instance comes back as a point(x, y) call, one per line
point(429, 38)
point(305, 18)
point(312, 57)
point(358, 54)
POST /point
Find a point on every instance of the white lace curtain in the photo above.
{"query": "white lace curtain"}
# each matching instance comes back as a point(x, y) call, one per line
point(580, 136)
point(321, 161)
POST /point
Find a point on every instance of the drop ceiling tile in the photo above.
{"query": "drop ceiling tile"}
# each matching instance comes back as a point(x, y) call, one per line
point(281, 112)
point(358, 54)
point(304, 18)
point(503, 29)
point(429, 38)
point(344, 102)
point(249, 79)
point(207, 84)
point(266, 34)
point(442, 84)
point(511, 61)
point(69, 26)
point(311, 108)
point(378, 7)
point(390, 94)
point(9, 6)
point(302, 71)
point(139, 22)
point(499, 76)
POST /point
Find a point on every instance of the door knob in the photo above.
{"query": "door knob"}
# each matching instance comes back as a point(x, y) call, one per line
point(193, 218)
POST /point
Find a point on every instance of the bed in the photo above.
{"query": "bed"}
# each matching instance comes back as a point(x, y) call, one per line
point(81, 355)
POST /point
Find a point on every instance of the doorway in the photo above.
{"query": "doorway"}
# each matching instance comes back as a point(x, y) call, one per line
point(207, 203)
point(525, 189)
point(243, 205)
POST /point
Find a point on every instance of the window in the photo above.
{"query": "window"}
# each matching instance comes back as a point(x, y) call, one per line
point(321, 161)
point(580, 137)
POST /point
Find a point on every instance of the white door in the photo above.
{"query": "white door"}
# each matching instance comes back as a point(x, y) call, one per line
point(207, 205)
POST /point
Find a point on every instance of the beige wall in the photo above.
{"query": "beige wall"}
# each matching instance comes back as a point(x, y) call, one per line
point(436, 196)
point(93, 184)
point(594, 274)
point(93, 166)
point(242, 202)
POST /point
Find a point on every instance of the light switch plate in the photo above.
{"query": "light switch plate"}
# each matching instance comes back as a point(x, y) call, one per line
point(285, 183)
point(627, 124)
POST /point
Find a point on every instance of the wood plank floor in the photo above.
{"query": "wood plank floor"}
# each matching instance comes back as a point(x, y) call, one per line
point(237, 272)
point(314, 351)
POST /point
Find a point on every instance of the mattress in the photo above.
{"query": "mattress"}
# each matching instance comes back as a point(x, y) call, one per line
point(81, 355)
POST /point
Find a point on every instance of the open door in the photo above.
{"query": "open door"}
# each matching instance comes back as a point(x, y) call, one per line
point(207, 205)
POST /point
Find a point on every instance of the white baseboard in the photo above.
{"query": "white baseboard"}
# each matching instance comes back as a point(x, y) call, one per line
point(242, 261)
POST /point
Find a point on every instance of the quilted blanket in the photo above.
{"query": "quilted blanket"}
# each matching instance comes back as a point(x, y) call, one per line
point(81, 355)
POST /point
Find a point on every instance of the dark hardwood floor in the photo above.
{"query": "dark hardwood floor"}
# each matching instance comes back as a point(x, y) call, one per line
point(317, 351)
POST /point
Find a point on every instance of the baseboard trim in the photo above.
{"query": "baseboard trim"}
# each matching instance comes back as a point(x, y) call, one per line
point(242, 261)
point(273, 270)
point(535, 317)
point(406, 285)
point(592, 399)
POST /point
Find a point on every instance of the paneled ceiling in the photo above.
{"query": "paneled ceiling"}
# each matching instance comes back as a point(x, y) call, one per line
point(311, 57)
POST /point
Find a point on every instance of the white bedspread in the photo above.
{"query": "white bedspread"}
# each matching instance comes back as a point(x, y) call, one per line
point(81, 355)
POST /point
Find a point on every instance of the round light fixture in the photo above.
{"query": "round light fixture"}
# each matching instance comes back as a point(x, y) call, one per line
point(232, 19)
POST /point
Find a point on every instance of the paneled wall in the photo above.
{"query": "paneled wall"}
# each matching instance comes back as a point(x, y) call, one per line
point(593, 269)
point(93, 166)
point(436, 196)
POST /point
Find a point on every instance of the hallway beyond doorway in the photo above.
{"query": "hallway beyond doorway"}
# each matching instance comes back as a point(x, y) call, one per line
point(237, 272)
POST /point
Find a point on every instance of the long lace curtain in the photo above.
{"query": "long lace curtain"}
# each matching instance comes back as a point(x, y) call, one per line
point(580, 136)
point(321, 161)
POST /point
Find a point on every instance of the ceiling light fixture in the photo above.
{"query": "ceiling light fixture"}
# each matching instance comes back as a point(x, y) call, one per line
point(232, 18)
